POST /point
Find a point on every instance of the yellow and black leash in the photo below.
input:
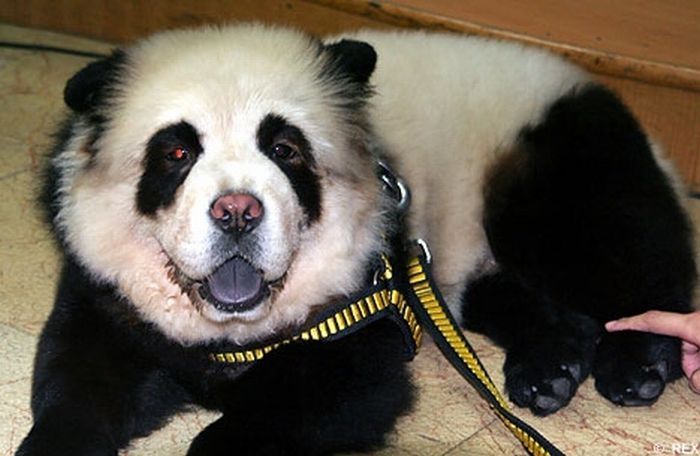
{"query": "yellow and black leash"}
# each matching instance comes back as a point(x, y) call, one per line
point(420, 307)
point(429, 306)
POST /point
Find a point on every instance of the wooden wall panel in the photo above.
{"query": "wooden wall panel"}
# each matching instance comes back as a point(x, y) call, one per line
point(650, 40)
point(671, 116)
point(125, 20)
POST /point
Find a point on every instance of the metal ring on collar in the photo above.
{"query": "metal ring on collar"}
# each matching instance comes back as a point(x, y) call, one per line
point(396, 186)
point(420, 243)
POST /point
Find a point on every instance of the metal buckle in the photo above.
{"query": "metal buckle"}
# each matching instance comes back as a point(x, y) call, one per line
point(383, 273)
point(395, 186)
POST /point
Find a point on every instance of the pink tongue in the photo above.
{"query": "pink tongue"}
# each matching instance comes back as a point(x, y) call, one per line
point(235, 282)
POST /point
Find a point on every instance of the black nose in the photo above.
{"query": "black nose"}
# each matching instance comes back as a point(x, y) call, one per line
point(238, 212)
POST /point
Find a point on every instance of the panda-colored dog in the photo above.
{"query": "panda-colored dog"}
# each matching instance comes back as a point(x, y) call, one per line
point(218, 187)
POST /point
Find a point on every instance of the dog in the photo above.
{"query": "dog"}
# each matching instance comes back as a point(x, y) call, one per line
point(220, 187)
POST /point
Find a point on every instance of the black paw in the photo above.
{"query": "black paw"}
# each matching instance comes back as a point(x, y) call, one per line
point(633, 368)
point(55, 439)
point(224, 437)
point(544, 381)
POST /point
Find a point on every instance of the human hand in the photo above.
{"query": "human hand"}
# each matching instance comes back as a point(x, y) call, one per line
point(684, 326)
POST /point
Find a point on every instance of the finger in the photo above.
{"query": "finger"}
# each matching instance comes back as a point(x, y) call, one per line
point(688, 348)
point(690, 362)
point(656, 321)
point(694, 381)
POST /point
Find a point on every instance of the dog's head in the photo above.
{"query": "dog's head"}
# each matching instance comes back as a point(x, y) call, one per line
point(220, 177)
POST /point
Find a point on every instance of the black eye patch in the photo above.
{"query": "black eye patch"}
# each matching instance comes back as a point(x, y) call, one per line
point(170, 154)
point(275, 138)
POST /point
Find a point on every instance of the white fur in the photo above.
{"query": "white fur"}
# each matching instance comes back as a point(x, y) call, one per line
point(447, 106)
point(222, 81)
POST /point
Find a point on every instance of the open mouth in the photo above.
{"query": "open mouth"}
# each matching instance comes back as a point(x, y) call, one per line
point(235, 286)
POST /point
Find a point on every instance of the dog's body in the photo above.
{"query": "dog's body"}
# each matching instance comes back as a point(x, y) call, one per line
point(219, 187)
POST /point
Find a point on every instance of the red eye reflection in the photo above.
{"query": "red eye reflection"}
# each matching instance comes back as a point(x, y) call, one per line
point(178, 154)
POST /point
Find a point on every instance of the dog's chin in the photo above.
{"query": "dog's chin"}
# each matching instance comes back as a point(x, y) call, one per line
point(211, 312)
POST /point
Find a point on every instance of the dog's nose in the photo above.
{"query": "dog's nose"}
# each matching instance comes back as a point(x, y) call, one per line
point(238, 212)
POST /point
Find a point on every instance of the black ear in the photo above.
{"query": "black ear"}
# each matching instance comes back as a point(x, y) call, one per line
point(88, 87)
point(353, 59)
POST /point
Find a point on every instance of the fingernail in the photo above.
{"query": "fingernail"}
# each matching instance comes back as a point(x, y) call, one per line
point(694, 381)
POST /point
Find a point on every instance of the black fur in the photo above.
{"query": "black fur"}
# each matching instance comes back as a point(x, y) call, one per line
point(585, 228)
point(299, 168)
point(348, 68)
point(88, 92)
point(49, 200)
point(354, 60)
point(93, 85)
point(104, 377)
point(162, 176)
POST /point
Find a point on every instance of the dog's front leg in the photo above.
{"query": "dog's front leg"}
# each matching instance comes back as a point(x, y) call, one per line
point(93, 390)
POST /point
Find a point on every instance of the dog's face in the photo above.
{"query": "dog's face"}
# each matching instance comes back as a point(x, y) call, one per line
point(220, 178)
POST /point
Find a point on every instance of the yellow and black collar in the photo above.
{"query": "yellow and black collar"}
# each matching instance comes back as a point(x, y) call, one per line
point(381, 300)
point(418, 307)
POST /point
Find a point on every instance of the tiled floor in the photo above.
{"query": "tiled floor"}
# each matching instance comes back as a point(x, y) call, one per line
point(449, 418)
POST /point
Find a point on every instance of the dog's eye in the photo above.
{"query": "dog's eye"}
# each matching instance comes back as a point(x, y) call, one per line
point(283, 151)
point(178, 154)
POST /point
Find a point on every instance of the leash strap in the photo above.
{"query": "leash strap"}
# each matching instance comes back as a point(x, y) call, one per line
point(435, 319)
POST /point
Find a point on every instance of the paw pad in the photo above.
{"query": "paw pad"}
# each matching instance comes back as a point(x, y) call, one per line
point(543, 389)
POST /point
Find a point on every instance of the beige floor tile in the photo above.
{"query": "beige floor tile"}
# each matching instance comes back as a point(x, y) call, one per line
point(448, 411)
point(483, 444)
point(16, 416)
point(32, 84)
point(29, 265)
point(592, 426)
point(391, 450)
point(16, 355)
